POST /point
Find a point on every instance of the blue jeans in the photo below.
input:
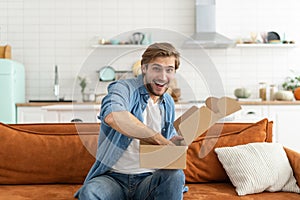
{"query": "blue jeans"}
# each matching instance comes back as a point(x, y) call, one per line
point(161, 184)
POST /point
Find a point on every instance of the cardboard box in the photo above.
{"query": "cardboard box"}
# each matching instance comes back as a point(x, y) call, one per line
point(194, 122)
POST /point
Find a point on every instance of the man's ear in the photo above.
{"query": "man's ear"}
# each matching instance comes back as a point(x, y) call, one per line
point(144, 69)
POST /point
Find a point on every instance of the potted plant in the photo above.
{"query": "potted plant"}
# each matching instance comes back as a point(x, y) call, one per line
point(293, 84)
point(86, 96)
point(82, 83)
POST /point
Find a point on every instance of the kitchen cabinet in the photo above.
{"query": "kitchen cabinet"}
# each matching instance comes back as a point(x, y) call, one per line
point(285, 121)
point(58, 113)
point(286, 125)
point(251, 113)
point(68, 113)
point(36, 114)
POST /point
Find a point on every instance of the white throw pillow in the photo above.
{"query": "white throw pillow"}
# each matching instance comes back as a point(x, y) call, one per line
point(258, 167)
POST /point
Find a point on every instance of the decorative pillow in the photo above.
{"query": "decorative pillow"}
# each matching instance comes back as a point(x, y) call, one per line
point(258, 167)
point(202, 162)
point(294, 158)
point(56, 154)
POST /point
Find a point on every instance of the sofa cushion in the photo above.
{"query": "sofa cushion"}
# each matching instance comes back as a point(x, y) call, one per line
point(202, 162)
point(257, 167)
point(39, 192)
point(54, 154)
point(226, 191)
point(294, 159)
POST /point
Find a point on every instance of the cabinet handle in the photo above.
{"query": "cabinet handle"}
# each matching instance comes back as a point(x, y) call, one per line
point(76, 120)
point(251, 113)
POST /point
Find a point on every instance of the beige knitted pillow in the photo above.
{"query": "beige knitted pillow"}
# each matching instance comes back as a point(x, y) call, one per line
point(258, 167)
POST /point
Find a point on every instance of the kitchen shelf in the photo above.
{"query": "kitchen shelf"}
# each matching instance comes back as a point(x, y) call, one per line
point(237, 46)
point(265, 45)
point(118, 46)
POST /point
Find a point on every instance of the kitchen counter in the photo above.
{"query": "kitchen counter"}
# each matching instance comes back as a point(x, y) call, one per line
point(37, 104)
point(269, 102)
point(70, 104)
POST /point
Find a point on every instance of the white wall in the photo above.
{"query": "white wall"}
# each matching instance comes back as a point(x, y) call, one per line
point(45, 33)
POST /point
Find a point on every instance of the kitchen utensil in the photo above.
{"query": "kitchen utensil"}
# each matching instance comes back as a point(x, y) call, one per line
point(263, 91)
point(56, 84)
point(107, 73)
point(271, 36)
point(114, 41)
point(138, 37)
point(136, 68)
point(176, 93)
point(263, 36)
point(253, 36)
point(5, 52)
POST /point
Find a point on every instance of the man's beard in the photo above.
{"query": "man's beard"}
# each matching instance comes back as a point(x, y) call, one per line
point(151, 91)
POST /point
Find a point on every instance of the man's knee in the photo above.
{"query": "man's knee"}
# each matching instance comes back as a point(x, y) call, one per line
point(101, 188)
point(176, 176)
point(86, 192)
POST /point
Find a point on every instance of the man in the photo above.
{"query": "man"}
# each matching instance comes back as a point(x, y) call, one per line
point(135, 110)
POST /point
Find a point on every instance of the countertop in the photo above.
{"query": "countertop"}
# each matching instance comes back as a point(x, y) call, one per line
point(269, 102)
point(68, 104)
point(36, 104)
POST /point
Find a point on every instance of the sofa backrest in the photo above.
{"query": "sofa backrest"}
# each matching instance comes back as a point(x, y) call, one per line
point(58, 152)
point(230, 127)
point(47, 153)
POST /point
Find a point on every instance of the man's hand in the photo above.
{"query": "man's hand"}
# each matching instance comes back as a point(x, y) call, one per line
point(126, 123)
point(157, 139)
point(178, 140)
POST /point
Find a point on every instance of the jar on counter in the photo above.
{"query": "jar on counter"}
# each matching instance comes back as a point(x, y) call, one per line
point(273, 90)
point(263, 91)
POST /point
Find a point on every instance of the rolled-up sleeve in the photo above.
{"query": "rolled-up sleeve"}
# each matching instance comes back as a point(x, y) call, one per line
point(116, 100)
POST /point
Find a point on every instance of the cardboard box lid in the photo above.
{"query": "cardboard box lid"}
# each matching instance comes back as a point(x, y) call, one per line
point(195, 121)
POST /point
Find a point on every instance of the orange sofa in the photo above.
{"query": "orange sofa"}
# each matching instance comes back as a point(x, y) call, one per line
point(50, 161)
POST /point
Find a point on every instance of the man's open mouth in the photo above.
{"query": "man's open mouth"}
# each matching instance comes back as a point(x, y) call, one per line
point(159, 84)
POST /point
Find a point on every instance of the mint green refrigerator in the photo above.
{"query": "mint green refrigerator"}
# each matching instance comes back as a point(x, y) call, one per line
point(12, 89)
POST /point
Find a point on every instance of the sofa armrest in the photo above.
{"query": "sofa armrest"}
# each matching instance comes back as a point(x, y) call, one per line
point(294, 158)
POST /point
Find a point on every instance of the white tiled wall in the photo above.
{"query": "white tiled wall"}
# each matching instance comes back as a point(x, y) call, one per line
point(45, 33)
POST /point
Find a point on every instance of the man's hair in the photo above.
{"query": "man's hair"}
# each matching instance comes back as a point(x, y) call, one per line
point(163, 49)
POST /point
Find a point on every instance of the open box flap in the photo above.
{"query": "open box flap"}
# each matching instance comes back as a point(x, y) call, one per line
point(195, 121)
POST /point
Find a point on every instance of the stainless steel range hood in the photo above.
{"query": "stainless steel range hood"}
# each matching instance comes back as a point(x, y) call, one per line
point(206, 35)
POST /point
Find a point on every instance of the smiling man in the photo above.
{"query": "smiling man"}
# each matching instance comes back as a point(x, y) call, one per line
point(136, 110)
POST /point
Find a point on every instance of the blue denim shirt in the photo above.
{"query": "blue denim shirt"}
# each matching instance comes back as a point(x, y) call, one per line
point(126, 95)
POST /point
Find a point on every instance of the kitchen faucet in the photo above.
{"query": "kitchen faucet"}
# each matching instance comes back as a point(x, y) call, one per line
point(56, 85)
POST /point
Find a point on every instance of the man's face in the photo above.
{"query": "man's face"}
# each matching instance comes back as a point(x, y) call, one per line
point(158, 74)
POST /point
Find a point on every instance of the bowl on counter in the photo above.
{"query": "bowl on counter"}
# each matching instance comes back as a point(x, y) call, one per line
point(242, 93)
point(284, 95)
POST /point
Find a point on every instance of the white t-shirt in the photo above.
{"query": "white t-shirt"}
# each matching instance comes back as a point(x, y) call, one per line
point(129, 163)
